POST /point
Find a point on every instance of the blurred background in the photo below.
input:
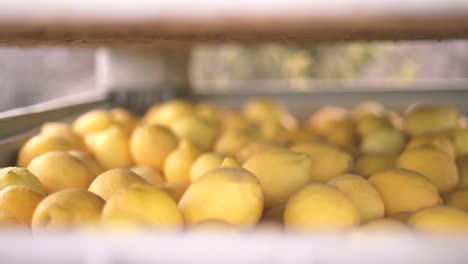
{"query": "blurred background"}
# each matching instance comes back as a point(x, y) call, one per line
point(33, 75)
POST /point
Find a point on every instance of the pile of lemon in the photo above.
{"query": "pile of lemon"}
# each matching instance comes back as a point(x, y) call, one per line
point(200, 167)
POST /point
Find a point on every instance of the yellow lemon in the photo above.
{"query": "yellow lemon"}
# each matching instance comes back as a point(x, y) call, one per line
point(39, 145)
point(383, 141)
point(65, 131)
point(369, 123)
point(150, 145)
point(459, 138)
point(89, 161)
point(168, 112)
point(150, 174)
point(422, 119)
point(326, 161)
point(231, 142)
point(437, 141)
point(229, 194)
point(363, 195)
point(367, 165)
point(124, 119)
point(20, 202)
point(457, 199)
point(60, 170)
point(68, 209)
point(210, 112)
point(19, 176)
point(261, 110)
point(92, 122)
point(320, 207)
point(404, 190)
point(111, 147)
point(179, 162)
point(200, 132)
point(255, 148)
point(323, 120)
point(175, 189)
point(111, 181)
point(434, 164)
point(150, 205)
point(367, 108)
point(204, 163)
point(440, 220)
point(281, 173)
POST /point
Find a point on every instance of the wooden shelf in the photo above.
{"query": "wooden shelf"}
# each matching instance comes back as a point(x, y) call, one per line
point(126, 22)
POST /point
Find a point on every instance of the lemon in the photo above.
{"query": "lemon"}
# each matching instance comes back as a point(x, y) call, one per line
point(462, 164)
point(20, 202)
point(230, 163)
point(324, 119)
point(367, 165)
point(210, 112)
point(367, 108)
point(326, 161)
point(437, 141)
point(150, 174)
point(404, 190)
point(204, 163)
point(124, 119)
point(236, 122)
point(440, 220)
point(92, 122)
point(39, 145)
point(19, 176)
point(168, 112)
point(320, 207)
point(150, 145)
point(89, 161)
point(111, 181)
point(459, 138)
point(369, 123)
point(384, 225)
point(281, 173)
point(111, 147)
point(275, 214)
point(150, 205)
point(457, 199)
point(200, 132)
point(65, 131)
point(434, 164)
point(175, 189)
point(383, 141)
point(231, 142)
point(255, 148)
point(263, 110)
point(60, 170)
point(342, 135)
point(422, 119)
point(301, 134)
point(229, 194)
point(68, 209)
point(179, 162)
point(363, 195)
point(273, 132)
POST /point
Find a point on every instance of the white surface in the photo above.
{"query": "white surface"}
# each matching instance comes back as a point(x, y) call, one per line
point(244, 248)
